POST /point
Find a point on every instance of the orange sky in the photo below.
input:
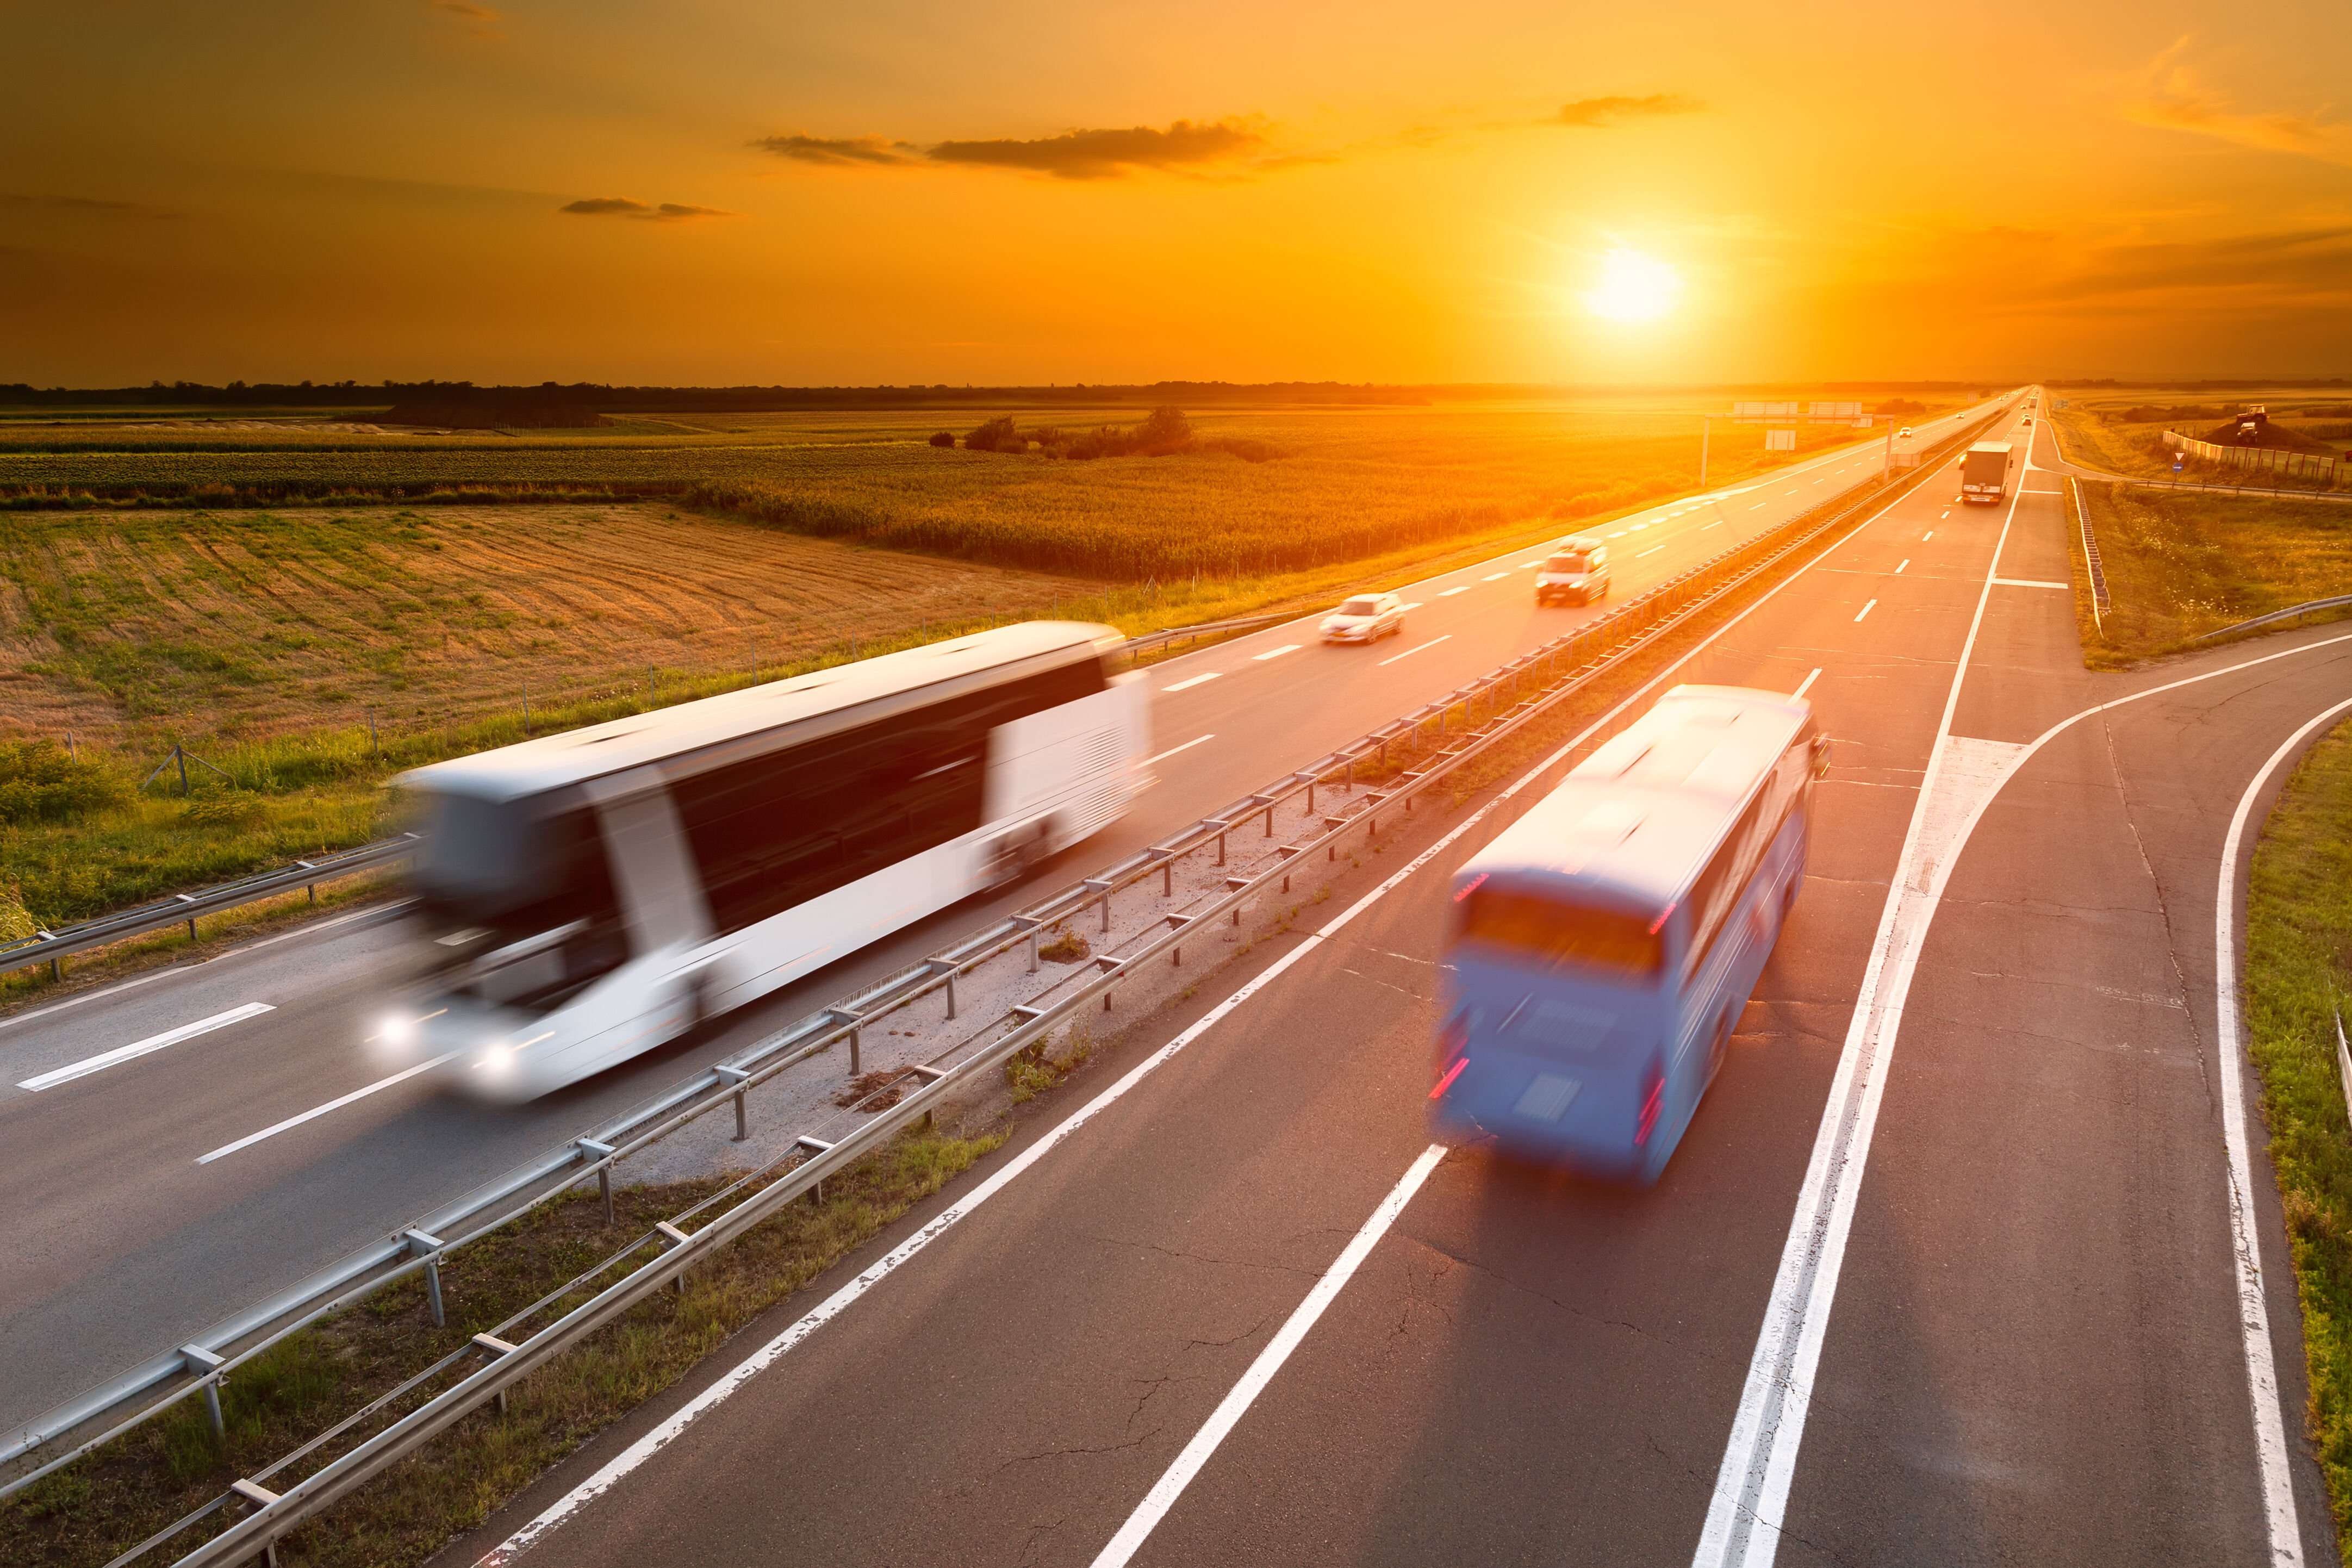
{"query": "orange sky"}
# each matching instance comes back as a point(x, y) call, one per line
point(714, 191)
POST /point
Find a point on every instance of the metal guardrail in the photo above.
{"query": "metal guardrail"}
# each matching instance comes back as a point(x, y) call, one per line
point(183, 909)
point(1514, 694)
point(1152, 642)
point(2342, 601)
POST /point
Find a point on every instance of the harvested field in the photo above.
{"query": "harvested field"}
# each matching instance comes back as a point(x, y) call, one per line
point(253, 623)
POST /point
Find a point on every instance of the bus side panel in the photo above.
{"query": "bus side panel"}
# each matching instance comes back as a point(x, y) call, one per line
point(1072, 766)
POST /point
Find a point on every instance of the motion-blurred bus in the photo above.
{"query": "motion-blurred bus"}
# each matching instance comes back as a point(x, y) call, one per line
point(1604, 944)
point(588, 896)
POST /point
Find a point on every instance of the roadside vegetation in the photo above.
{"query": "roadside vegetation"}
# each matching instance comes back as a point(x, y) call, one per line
point(2123, 434)
point(2298, 979)
point(91, 1511)
point(2180, 563)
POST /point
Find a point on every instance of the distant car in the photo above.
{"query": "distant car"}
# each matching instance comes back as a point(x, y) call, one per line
point(1576, 574)
point(2027, 420)
point(1367, 617)
point(1904, 434)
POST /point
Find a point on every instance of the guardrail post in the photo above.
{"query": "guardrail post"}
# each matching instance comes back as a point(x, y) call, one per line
point(738, 1077)
point(1033, 927)
point(1101, 886)
point(426, 1247)
point(192, 919)
point(672, 1239)
point(1168, 877)
point(310, 888)
point(207, 1365)
point(496, 1348)
point(261, 1497)
point(946, 966)
point(857, 1033)
point(592, 1150)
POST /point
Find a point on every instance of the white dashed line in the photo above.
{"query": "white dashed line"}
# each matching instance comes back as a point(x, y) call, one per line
point(120, 1054)
point(1411, 651)
point(1449, 592)
point(1926, 536)
point(1494, 576)
point(1196, 680)
point(1274, 653)
point(1651, 550)
point(250, 1139)
point(1905, 562)
point(1806, 685)
point(1865, 609)
point(1173, 750)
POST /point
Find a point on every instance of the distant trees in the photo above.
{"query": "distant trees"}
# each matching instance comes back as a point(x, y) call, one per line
point(1162, 433)
point(944, 438)
point(1899, 405)
point(998, 435)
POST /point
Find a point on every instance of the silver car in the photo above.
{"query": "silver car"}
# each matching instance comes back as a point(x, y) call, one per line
point(1576, 574)
point(1367, 617)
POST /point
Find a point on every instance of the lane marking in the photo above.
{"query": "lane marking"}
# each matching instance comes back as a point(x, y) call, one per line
point(1806, 685)
point(1411, 651)
point(1704, 527)
point(1899, 565)
point(1237, 1402)
point(1413, 605)
point(1651, 550)
point(2026, 583)
point(604, 1480)
point(1274, 652)
point(1864, 610)
point(120, 1054)
point(1926, 536)
point(1449, 592)
point(1494, 576)
point(1638, 527)
point(1945, 513)
point(1759, 506)
point(1171, 750)
point(250, 1139)
point(1196, 680)
point(1619, 534)
point(2246, 1250)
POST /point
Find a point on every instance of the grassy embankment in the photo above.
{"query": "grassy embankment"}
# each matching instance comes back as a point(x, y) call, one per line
point(94, 1510)
point(2298, 974)
point(2180, 563)
point(265, 638)
point(2126, 434)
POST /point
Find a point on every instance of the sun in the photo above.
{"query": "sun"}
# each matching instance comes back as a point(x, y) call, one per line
point(1634, 287)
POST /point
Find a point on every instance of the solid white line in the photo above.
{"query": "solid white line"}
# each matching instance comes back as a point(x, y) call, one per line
point(249, 1139)
point(1654, 549)
point(1173, 750)
point(1751, 1488)
point(84, 1068)
point(1230, 1410)
point(1196, 680)
point(1276, 652)
point(2253, 1308)
point(1864, 610)
point(1905, 561)
point(1806, 685)
point(1449, 592)
point(1416, 648)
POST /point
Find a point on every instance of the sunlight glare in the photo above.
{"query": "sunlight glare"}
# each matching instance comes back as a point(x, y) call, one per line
point(1634, 287)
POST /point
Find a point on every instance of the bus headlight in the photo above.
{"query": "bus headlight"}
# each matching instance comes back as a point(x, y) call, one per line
point(397, 1030)
point(497, 1059)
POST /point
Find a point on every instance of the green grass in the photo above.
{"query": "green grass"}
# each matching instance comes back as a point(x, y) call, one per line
point(2182, 563)
point(94, 1510)
point(2298, 974)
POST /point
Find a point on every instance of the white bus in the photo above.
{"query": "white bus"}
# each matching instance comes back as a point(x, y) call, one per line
point(588, 896)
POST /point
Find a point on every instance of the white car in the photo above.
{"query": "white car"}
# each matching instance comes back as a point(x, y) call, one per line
point(1577, 572)
point(1904, 434)
point(1366, 618)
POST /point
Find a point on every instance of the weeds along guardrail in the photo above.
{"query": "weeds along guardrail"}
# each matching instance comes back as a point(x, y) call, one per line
point(1381, 774)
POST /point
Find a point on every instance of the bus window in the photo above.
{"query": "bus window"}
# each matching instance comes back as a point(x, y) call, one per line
point(1535, 930)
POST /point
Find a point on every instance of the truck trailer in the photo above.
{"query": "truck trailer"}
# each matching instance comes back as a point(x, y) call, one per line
point(1984, 472)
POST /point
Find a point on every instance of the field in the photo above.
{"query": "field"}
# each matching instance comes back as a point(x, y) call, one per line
point(2123, 433)
point(2183, 562)
point(310, 649)
point(1350, 484)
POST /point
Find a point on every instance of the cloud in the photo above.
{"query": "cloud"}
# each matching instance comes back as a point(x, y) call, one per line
point(622, 207)
point(479, 21)
point(2170, 95)
point(855, 151)
point(87, 205)
point(1601, 113)
point(1108, 154)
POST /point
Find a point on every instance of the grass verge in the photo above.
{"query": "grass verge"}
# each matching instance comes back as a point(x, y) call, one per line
point(2298, 972)
point(89, 1513)
point(2182, 563)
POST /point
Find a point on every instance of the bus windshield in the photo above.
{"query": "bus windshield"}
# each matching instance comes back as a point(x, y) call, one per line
point(1559, 936)
point(1572, 561)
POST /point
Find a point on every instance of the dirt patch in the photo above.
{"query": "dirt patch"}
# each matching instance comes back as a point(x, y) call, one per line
point(247, 623)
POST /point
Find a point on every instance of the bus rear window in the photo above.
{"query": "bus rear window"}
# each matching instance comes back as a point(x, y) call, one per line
point(1542, 932)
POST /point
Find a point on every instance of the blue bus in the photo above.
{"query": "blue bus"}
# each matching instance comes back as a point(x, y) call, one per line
point(1603, 945)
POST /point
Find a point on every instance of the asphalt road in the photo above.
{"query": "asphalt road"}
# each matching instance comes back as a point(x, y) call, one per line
point(125, 1244)
point(2020, 1336)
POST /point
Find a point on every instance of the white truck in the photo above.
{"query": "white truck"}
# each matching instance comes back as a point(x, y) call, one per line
point(1984, 472)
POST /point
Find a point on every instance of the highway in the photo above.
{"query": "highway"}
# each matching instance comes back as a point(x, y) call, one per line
point(1947, 1269)
point(145, 1208)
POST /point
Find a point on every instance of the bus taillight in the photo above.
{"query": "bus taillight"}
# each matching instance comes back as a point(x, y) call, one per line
point(1453, 1053)
point(1649, 1107)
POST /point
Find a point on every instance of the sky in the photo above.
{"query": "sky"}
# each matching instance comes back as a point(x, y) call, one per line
point(720, 192)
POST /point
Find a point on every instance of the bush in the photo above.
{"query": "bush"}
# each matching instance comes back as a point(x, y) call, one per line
point(39, 781)
point(944, 438)
point(997, 435)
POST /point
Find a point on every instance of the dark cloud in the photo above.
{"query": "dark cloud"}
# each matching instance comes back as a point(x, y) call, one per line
point(852, 151)
point(2298, 260)
point(622, 207)
point(1599, 113)
point(87, 205)
point(478, 20)
point(1108, 154)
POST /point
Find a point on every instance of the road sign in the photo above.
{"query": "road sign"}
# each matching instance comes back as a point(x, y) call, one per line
point(2175, 463)
point(1780, 440)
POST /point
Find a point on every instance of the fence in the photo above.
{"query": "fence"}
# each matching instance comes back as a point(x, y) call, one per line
point(1395, 764)
point(2272, 460)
